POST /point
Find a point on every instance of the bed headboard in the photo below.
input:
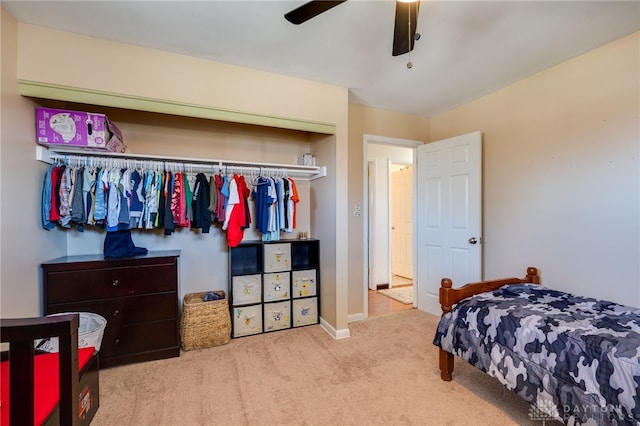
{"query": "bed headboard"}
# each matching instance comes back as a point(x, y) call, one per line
point(450, 296)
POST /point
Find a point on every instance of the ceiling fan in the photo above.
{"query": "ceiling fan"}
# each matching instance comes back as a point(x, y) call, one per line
point(404, 32)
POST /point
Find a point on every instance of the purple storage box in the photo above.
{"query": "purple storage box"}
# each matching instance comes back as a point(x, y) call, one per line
point(77, 129)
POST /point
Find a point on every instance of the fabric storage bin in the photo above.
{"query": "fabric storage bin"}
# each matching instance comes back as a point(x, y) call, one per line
point(276, 286)
point(277, 316)
point(277, 257)
point(247, 320)
point(303, 283)
point(90, 332)
point(204, 323)
point(247, 289)
point(305, 311)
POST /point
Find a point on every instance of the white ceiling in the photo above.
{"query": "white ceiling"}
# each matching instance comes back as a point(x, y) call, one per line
point(467, 48)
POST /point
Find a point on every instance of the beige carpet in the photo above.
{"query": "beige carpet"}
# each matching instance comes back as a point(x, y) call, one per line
point(385, 374)
point(401, 294)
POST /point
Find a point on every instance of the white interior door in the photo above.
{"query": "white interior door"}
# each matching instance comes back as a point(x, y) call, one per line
point(402, 222)
point(448, 215)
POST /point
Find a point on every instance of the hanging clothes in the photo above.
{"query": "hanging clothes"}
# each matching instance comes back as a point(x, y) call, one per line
point(293, 204)
point(46, 200)
point(263, 202)
point(117, 196)
point(168, 224)
point(200, 204)
point(189, 186)
point(220, 213)
point(88, 194)
point(137, 200)
point(77, 209)
point(236, 211)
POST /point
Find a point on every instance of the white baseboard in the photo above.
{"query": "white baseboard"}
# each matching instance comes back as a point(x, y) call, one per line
point(336, 334)
point(357, 317)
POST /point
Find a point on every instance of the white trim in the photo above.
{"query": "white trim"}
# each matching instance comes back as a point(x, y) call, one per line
point(336, 334)
point(49, 155)
point(389, 241)
point(385, 140)
point(357, 317)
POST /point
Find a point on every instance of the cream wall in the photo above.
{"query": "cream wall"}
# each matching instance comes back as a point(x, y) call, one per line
point(369, 121)
point(561, 174)
point(148, 73)
point(23, 243)
point(138, 72)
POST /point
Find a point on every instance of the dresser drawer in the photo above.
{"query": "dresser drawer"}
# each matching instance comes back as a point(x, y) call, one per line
point(110, 282)
point(135, 338)
point(126, 310)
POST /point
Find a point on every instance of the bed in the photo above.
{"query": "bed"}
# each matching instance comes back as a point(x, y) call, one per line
point(574, 359)
point(59, 388)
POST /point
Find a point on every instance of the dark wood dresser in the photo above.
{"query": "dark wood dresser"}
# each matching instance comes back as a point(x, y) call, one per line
point(138, 297)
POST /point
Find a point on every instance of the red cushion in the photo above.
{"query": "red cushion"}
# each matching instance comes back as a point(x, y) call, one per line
point(47, 391)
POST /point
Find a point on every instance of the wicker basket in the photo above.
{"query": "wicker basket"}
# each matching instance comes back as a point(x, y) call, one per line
point(204, 324)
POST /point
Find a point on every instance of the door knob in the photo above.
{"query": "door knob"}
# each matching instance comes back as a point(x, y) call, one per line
point(473, 240)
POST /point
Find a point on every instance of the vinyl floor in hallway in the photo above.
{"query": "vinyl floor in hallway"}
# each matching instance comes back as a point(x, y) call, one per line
point(380, 304)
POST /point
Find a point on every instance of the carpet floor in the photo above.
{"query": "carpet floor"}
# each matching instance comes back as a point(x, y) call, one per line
point(386, 373)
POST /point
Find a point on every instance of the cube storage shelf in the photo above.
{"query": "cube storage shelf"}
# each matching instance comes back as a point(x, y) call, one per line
point(274, 285)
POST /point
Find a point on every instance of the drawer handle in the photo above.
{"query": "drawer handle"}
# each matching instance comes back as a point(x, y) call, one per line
point(115, 283)
point(278, 253)
point(116, 313)
point(116, 342)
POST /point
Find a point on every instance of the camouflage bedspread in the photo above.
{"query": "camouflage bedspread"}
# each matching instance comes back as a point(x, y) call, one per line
point(573, 358)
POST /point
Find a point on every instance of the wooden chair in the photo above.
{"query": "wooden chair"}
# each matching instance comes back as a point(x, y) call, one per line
point(72, 383)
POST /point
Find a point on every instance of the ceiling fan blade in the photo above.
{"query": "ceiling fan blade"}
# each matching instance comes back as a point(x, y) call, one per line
point(403, 38)
point(310, 10)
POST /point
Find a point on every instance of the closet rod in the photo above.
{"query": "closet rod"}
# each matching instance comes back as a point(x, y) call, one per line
point(50, 155)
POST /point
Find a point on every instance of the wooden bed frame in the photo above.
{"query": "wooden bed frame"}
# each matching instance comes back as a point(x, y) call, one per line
point(449, 296)
point(21, 333)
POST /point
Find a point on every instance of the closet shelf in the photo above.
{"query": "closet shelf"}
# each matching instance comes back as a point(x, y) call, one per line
point(51, 155)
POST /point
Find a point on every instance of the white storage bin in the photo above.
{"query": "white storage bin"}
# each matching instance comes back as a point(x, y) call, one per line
point(277, 257)
point(305, 311)
point(276, 286)
point(247, 289)
point(303, 283)
point(247, 320)
point(90, 331)
point(277, 316)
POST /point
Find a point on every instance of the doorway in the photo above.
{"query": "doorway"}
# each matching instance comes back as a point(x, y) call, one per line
point(448, 177)
point(389, 234)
